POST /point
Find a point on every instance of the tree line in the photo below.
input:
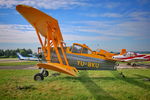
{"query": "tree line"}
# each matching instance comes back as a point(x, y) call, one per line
point(8, 53)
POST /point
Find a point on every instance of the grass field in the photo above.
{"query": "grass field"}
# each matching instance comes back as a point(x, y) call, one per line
point(5, 63)
point(89, 85)
point(143, 62)
point(8, 58)
point(18, 63)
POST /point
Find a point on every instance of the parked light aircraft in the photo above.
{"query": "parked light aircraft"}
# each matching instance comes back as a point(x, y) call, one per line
point(132, 57)
point(32, 58)
point(57, 56)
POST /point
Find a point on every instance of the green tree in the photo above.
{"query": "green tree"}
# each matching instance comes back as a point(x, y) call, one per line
point(1, 52)
point(12, 53)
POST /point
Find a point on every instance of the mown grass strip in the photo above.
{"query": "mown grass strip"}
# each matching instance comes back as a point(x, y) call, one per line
point(143, 62)
point(88, 85)
point(18, 63)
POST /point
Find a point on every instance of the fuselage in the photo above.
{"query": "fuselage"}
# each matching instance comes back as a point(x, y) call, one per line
point(84, 58)
point(87, 63)
point(27, 58)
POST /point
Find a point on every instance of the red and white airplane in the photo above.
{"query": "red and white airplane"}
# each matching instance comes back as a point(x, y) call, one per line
point(132, 57)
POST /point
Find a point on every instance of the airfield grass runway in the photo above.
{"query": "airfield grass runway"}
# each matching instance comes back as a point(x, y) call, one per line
point(88, 85)
point(14, 63)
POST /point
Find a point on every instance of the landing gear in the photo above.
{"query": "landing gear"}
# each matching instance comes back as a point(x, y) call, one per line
point(128, 63)
point(117, 64)
point(40, 76)
point(45, 73)
point(133, 64)
point(122, 75)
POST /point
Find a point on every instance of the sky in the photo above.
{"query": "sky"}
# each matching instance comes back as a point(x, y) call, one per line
point(101, 24)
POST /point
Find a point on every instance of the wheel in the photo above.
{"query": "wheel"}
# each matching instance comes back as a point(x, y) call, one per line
point(128, 63)
point(45, 73)
point(133, 64)
point(38, 77)
point(122, 75)
point(117, 64)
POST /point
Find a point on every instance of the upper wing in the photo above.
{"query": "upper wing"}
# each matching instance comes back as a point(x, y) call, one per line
point(39, 20)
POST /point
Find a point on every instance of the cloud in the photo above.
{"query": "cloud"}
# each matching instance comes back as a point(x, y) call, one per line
point(139, 16)
point(46, 4)
point(120, 29)
point(16, 27)
point(112, 4)
point(136, 15)
point(13, 33)
point(143, 1)
point(56, 4)
point(72, 37)
point(25, 34)
point(112, 15)
point(131, 24)
point(4, 14)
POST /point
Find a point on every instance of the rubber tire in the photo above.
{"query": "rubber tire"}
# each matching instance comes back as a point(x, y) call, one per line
point(38, 77)
point(128, 63)
point(46, 73)
point(117, 64)
point(133, 64)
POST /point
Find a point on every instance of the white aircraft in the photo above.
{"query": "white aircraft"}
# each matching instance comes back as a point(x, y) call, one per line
point(132, 57)
point(32, 58)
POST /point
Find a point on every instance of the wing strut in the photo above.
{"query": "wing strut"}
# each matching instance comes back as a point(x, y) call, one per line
point(48, 27)
point(53, 40)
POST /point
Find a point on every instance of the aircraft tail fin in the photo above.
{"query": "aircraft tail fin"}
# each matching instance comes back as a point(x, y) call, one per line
point(19, 56)
point(123, 51)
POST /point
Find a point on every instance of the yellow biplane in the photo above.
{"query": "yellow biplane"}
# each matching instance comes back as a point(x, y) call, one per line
point(57, 56)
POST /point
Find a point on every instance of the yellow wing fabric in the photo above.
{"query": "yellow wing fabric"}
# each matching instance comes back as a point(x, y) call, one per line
point(39, 20)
